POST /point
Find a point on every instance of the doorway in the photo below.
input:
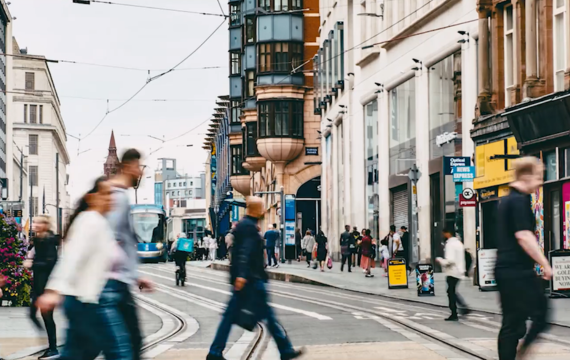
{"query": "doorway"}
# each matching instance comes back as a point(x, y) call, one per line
point(308, 206)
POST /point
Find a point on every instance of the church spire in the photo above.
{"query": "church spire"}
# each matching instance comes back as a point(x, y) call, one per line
point(111, 166)
point(112, 144)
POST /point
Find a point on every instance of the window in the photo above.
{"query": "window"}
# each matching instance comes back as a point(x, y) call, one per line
point(560, 32)
point(25, 113)
point(250, 35)
point(280, 118)
point(34, 206)
point(34, 175)
point(33, 114)
point(250, 84)
point(402, 125)
point(264, 51)
point(509, 65)
point(237, 160)
point(281, 56)
point(235, 14)
point(567, 162)
point(184, 184)
point(235, 66)
point(41, 114)
point(280, 5)
point(30, 81)
point(235, 113)
point(33, 144)
point(550, 166)
point(169, 184)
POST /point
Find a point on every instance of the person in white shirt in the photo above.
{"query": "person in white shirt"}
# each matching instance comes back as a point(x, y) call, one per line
point(396, 242)
point(454, 267)
point(213, 246)
point(88, 275)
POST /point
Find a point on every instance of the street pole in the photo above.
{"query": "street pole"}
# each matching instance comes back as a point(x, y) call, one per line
point(31, 201)
point(282, 251)
point(57, 191)
point(21, 174)
point(414, 175)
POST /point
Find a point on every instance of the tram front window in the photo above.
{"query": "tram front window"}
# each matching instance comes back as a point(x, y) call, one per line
point(149, 227)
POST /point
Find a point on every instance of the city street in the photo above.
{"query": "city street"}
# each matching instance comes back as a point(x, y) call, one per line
point(335, 324)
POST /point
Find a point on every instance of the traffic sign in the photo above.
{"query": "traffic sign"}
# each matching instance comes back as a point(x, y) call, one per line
point(463, 173)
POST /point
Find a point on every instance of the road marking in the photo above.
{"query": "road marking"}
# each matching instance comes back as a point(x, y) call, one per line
point(240, 347)
point(389, 310)
point(277, 306)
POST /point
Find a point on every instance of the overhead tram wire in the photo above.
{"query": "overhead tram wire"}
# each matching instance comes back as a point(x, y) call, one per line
point(157, 8)
point(149, 80)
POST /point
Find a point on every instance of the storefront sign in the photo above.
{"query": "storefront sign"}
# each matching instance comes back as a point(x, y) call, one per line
point(424, 279)
point(445, 138)
point(311, 151)
point(468, 198)
point(560, 262)
point(397, 274)
point(486, 259)
point(449, 162)
point(491, 171)
point(463, 173)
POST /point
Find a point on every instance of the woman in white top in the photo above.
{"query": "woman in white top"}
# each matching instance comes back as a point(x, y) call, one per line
point(86, 275)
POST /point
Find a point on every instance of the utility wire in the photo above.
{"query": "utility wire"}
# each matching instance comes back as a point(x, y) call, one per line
point(149, 80)
point(156, 8)
point(221, 8)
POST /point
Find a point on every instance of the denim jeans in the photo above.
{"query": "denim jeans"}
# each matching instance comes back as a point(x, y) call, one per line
point(111, 326)
point(265, 312)
point(271, 255)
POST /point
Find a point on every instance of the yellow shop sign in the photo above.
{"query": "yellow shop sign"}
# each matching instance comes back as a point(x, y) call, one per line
point(492, 172)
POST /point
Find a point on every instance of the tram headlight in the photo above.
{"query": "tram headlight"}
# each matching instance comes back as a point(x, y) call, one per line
point(159, 246)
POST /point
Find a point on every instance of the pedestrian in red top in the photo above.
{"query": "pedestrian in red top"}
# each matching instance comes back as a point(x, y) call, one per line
point(367, 246)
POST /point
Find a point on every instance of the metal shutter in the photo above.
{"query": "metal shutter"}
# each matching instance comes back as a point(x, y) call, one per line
point(400, 200)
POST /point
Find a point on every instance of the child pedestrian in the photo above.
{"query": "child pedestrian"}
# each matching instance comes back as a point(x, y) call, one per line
point(385, 253)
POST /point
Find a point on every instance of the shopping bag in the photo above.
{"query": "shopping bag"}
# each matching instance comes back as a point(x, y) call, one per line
point(329, 263)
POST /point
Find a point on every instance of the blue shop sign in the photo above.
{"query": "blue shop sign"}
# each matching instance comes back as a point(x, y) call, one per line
point(463, 173)
point(449, 162)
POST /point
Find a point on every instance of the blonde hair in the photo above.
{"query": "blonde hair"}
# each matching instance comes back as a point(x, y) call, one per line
point(528, 165)
point(44, 219)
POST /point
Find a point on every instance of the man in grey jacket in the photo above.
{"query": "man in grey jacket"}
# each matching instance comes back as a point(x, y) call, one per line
point(127, 272)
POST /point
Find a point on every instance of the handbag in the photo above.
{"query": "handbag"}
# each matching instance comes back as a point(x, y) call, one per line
point(329, 263)
point(246, 317)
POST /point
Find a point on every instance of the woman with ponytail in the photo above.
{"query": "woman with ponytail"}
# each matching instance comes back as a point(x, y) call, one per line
point(85, 277)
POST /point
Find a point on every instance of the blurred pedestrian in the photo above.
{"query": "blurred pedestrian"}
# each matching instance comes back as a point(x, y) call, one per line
point(87, 277)
point(405, 246)
point(454, 267)
point(222, 250)
point(230, 240)
point(356, 250)
point(212, 248)
point(308, 244)
point(397, 247)
point(42, 258)
point(271, 237)
point(385, 255)
point(367, 261)
point(206, 246)
point(521, 290)
point(180, 257)
point(250, 286)
point(346, 246)
point(322, 249)
point(298, 247)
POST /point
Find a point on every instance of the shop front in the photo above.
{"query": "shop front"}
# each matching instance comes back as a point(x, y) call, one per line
point(542, 129)
point(493, 173)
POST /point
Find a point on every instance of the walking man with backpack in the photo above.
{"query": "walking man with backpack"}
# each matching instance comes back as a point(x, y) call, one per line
point(346, 246)
point(454, 267)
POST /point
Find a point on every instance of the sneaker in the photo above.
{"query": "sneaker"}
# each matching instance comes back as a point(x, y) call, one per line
point(293, 355)
point(452, 318)
point(49, 354)
point(275, 266)
point(465, 311)
point(214, 357)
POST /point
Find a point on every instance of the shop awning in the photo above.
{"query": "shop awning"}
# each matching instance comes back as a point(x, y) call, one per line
point(236, 202)
point(540, 120)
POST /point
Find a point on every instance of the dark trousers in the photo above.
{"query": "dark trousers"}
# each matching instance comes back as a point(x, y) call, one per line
point(309, 256)
point(264, 312)
point(271, 255)
point(111, 326)
point(40, 280)
point(180, 258)
point(453, 296)
point(346, 257)
point(521, 298)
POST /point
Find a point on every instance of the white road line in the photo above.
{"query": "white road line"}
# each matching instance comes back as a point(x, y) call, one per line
point(277, 306)
point(389, 309)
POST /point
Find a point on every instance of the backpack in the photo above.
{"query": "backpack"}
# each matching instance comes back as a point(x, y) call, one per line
point(468, 262)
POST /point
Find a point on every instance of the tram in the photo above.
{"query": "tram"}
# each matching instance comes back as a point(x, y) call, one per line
point(149, 223)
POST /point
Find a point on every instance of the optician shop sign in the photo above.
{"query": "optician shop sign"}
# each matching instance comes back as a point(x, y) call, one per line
point(450, 162)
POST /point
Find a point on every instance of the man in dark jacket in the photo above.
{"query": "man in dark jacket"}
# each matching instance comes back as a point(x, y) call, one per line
point(247, 275)
point(346, 245)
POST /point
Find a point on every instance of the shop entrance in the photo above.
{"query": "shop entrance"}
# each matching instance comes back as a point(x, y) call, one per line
point(308, 206)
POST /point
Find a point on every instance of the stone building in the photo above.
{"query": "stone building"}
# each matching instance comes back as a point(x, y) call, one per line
point(111, 166)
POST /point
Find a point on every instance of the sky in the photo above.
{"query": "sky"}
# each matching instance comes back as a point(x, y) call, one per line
point(136, 38)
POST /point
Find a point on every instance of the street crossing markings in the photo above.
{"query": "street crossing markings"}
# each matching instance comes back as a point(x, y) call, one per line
point(277, 306)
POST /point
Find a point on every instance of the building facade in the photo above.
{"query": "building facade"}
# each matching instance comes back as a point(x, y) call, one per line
point(273, 131)
point(5, 73)
point(38, 135)
point(396, 85)
point(523, 108)
point(111, 166)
